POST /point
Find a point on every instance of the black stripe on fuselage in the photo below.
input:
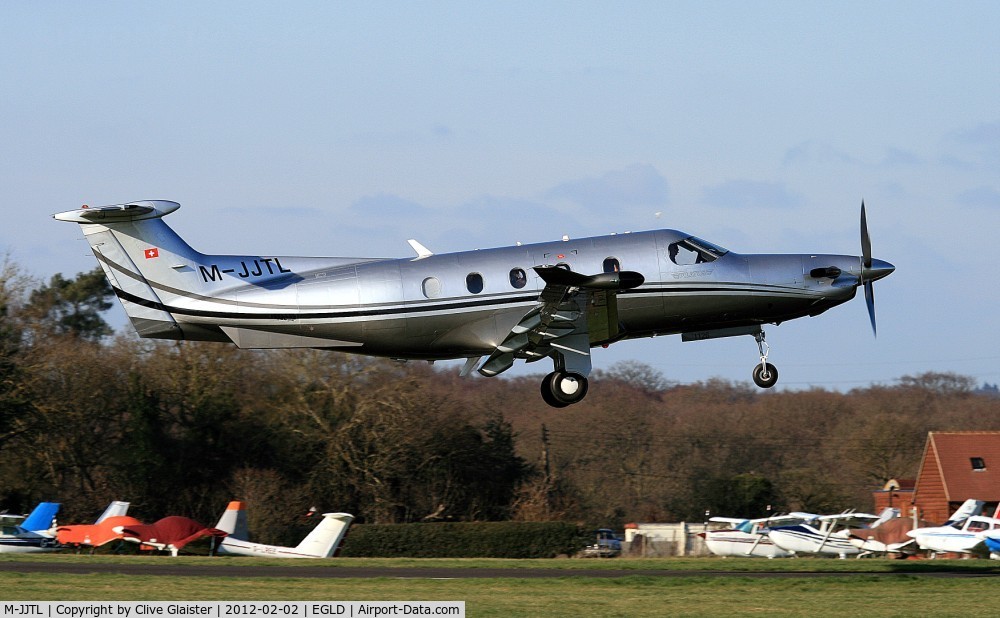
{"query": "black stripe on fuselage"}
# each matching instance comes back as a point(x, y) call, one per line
point(485, 303)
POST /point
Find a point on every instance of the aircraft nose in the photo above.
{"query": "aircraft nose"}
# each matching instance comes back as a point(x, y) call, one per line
point(878, 270)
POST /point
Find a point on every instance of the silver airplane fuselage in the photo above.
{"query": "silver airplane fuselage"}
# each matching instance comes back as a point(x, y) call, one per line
point(502, 302)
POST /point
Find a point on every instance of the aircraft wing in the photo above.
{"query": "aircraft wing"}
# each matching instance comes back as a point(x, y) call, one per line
point(729, 520)
point(573, 313)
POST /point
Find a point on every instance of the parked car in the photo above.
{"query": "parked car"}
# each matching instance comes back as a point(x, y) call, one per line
point(607, 545)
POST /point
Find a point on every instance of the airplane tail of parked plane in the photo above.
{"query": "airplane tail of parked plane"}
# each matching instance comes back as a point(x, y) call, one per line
point(234, 521)
point(40, 519)
point(969, 508)
point(115, 509)
point(326, 537)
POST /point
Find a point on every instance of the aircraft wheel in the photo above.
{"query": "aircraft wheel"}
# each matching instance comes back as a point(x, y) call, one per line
point(547, 395)
point(765, 376)
point(562, 389)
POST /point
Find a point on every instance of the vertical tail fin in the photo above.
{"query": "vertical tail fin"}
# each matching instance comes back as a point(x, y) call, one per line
point(326, 537)
point(41, 517)
point(115, 509)
point(234, 522)
point(969, 508)
point(139, 252)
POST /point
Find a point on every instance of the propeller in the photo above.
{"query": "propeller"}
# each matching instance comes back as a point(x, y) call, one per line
point(871, 269)
point(866, 265)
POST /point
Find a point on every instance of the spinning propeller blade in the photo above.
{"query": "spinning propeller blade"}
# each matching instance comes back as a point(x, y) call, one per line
point(869, 272)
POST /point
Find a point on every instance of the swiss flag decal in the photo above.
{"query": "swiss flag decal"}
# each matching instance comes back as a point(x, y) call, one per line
point(152, 253)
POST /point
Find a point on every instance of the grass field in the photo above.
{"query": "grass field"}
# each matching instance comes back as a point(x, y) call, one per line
point(862, 588)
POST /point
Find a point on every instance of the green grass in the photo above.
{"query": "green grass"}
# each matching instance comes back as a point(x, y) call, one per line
point(864, 589)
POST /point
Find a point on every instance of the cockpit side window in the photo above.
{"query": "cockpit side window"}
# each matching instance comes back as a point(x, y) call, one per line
point(693, 250)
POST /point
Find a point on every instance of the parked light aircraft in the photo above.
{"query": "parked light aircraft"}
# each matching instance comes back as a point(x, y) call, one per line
point(101, 531)
point(826, 535)
point(748, 537)
point(168, 534)
point(32, 535)
point(965, 533)
point(893, 536)
point(553, 300)
point(321, 542)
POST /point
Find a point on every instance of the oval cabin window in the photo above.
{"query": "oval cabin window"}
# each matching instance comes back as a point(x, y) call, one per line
point(474, 282)
point(431, 287)
point(518, 279)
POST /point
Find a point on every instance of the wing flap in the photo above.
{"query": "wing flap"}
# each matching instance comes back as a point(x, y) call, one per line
point(574, 313)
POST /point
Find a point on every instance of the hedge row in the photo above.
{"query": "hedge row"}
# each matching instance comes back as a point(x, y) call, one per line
point(465, 540)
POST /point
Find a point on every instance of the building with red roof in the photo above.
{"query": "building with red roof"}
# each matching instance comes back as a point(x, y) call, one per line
point(956, 466)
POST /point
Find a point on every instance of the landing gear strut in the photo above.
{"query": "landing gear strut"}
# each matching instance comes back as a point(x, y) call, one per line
point(765, 375)
point(563, 388)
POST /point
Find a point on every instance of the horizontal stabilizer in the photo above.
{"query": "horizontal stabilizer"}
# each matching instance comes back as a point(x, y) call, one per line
point(133, 211)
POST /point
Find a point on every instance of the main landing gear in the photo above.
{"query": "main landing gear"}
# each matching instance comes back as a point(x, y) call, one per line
point(564, 388)
point(765, 375)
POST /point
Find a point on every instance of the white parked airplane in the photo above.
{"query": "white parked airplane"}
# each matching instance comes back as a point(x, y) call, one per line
point(893, 537)
point(747, 537)
point(555, 300)
point(322, 542)
point(826, 535)
point(965, 533)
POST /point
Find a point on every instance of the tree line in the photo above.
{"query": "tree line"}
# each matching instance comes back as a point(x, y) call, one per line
point(181, 428)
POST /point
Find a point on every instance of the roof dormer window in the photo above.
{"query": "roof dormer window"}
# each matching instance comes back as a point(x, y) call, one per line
point(978, 463)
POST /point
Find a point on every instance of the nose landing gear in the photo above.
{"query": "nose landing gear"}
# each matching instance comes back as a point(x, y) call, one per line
point(765, 375)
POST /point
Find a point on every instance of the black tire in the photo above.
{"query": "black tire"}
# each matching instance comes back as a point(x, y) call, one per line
point(547, 395)
point(765, 376)
point(567, 388)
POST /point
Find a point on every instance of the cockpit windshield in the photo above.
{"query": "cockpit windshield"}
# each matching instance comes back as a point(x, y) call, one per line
point(693, 250)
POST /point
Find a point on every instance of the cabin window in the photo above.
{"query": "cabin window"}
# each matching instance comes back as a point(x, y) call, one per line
point(431, 287)
point(474, 282)
point(978, 463)
point(518, 279)
point(612, 265)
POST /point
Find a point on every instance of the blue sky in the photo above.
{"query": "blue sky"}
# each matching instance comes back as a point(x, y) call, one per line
point(344, 128)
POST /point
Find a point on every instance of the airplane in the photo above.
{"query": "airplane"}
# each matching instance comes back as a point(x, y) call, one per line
point(101, 532)
point(893, 536)
point(32, 535)
point(168, 534)
point(826, 535)
point(962, 534)
point(748, 537)
point(321, 542)
point(555, 300)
